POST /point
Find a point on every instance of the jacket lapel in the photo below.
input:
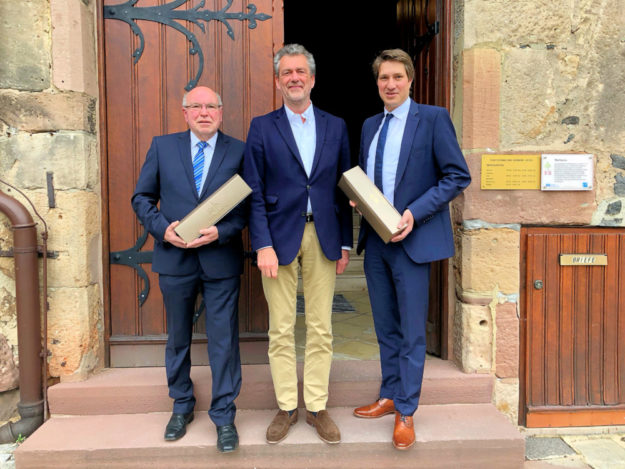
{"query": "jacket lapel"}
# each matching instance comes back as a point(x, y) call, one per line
point(184, 152)
point(218, 157)
point(282, 122)
point(377, 120)
point(321, 124)
point(412, 121)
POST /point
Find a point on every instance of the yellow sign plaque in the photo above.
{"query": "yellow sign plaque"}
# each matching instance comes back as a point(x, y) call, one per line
point(508, 172)
point(583, 259)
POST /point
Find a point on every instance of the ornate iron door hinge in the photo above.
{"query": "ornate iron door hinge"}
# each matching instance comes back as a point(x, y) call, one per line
point(167, 14)
point(134, 257)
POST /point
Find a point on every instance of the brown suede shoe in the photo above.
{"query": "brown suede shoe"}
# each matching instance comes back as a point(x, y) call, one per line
point(403, 435)
point(279, 426)
point(377, 409)
point(326, 428)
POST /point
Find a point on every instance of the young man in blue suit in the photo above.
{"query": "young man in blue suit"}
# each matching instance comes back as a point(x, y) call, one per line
point(180, 171)
point(294, 158)
point(411, 153)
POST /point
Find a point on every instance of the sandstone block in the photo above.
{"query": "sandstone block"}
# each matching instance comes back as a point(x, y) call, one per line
point(490, 260)
point(505, 22)
point(74, 46)
point(524, 206)
point(25, 45)
point(9, 374)
point(8, 404)
point(43, 112)
point(507, 342)
point(8, 311)
point(473, 339)
point(507, 398)
point(74, 330)
point(71, 156)
point(481, 90)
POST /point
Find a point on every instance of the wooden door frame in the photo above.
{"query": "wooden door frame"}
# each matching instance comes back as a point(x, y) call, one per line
point(106, 268)
point(444, 98)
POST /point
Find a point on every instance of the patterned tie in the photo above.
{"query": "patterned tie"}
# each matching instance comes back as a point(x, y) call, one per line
point(198, 166)
point(379, 152)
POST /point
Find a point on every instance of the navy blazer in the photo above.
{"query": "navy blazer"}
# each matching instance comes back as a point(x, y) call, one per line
point(431, 172)
point(167, 177)
point(274, 170)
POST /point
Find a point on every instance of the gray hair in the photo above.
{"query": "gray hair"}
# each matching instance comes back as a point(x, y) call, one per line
point(294, 49)
point(184, 98)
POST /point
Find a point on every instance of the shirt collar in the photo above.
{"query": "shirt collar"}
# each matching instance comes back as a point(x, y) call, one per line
point(308, 114)
point(401, 111)
point(195, 140)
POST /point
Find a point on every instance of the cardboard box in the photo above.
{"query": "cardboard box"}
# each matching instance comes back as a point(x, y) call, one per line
point(376, 208)
point(213, 209)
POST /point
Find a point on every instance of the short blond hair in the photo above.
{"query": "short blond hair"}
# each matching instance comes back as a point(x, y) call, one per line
point(394, 55)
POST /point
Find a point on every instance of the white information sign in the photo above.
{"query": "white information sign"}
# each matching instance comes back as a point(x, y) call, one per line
point(566, 172)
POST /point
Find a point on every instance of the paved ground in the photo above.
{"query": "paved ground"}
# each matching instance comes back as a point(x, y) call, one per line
point(596, 451)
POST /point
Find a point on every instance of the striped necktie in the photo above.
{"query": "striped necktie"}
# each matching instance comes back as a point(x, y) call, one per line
point(379, 153)
point(198, 166)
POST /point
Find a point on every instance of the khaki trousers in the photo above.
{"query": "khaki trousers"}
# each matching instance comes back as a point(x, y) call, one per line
point(318, 277)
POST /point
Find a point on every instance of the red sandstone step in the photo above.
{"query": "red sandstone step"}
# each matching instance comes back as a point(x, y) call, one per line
point(456, 435)
point(352, 383)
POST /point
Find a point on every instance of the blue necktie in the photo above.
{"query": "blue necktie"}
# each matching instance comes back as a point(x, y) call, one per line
point(198, 166)
point(379, 152)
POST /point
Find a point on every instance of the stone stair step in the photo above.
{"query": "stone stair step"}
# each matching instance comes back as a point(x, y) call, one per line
point(461, 435)
point(352, 383)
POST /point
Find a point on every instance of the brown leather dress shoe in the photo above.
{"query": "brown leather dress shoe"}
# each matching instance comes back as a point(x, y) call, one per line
point(279, 426)
point(403, 435)
point(326, 428)
point(377, 409)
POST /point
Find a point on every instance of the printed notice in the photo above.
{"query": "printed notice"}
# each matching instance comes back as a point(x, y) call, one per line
point(508, 172)
point(566, 172)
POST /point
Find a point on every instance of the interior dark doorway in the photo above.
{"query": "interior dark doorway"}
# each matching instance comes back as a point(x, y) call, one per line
point(344, 37)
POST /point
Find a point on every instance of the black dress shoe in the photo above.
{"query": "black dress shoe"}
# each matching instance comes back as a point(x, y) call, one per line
point(177, 426)
point(227, 438)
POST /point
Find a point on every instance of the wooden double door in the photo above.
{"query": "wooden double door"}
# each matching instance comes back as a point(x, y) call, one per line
point(153, 49)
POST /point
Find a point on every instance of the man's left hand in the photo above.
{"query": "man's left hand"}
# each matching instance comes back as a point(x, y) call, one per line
point(341, 264)
point(208, 236)
point(407, 220)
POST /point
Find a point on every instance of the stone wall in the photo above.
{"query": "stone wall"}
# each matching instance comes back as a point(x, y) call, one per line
point(48, 123)
point(531, 76)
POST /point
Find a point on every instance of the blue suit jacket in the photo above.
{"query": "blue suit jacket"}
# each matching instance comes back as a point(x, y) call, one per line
point(430, 173)
point(274, 170)
point(167, 177)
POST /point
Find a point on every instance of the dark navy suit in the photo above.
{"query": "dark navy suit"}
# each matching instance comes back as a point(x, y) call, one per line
point(431, 171)
point(214, 269)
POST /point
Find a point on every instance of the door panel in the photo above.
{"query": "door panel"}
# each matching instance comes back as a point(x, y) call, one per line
point(574, 366)
point(143, 99)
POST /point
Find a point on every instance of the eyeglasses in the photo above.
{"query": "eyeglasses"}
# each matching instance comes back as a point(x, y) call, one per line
point(197, 107)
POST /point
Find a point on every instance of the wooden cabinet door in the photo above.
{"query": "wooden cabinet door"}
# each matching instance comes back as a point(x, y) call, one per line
point(152, 50)
point(572, 329)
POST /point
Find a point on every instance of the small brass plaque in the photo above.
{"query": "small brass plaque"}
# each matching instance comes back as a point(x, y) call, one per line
point(583, 259)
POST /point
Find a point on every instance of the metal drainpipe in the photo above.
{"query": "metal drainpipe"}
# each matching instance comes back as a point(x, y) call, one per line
point(30, 406)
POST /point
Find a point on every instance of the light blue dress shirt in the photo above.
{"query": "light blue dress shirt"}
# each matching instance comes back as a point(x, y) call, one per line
point(305, 134)
point(208, 154)
point(392, 148)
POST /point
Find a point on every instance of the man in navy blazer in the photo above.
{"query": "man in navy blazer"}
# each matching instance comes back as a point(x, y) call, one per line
point(180, 171)
point(411, 153)
point(294, 158)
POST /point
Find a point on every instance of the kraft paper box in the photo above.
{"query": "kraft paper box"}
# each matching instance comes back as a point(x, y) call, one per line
point(213, 209)
point(376, 208)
